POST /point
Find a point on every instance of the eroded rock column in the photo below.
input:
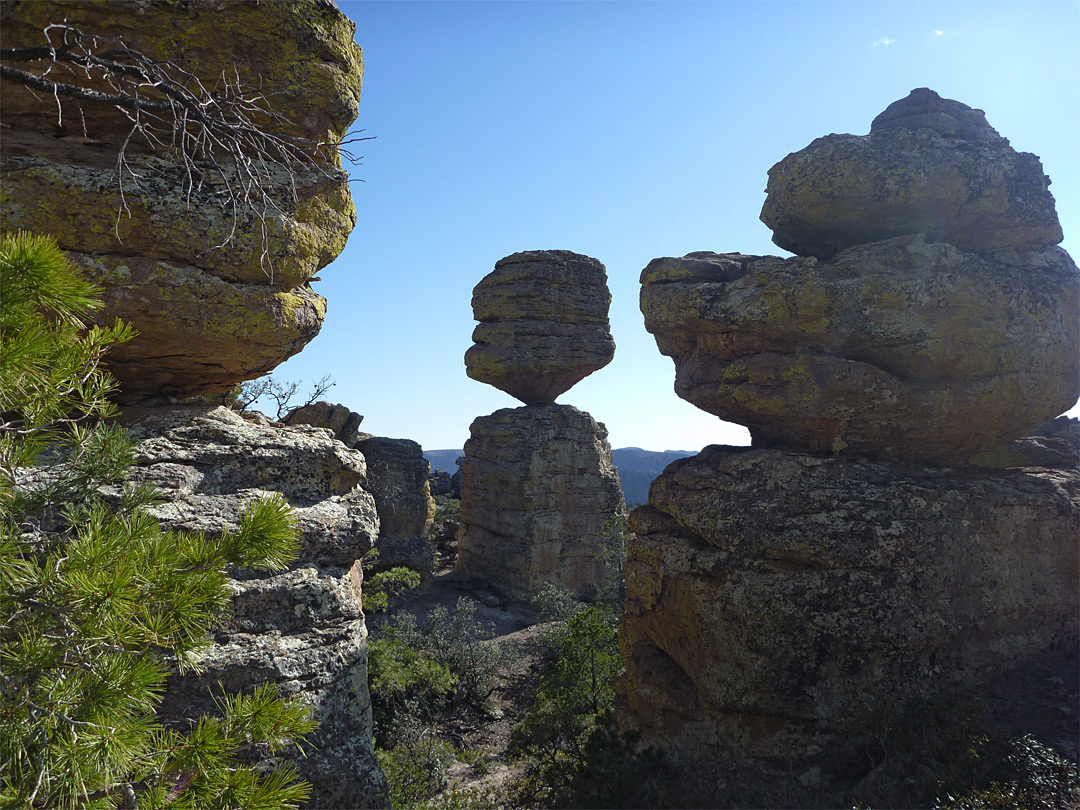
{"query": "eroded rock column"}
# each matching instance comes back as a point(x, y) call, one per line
point(538, 482)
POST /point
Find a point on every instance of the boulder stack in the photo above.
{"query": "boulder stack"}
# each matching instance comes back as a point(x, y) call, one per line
point(790, 605)
point(538, 483)
point(543, 324)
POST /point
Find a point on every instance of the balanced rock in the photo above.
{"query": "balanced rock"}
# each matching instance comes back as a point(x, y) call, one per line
point(543, 324)
point(783, 609)
point(901, 347)
point(929, 165)
point(217, 294)
point(537, 486)
point(302, 630)
point(398, 480)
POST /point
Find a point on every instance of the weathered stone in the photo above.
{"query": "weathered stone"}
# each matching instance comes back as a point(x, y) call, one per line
point(341, 421)
point(537, 486)
point(543, 324)
point(208, 317)
point(398, 479)
point(1053, 444)
point(929, 165)
point(782, 609)
point(900, 347)
point(303, 629)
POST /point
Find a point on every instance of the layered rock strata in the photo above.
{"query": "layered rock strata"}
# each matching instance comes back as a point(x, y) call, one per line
point(538, 484)
point(929, 165)
point(218, 294)
point(303, 629)
point(898, 348)
point(543, 324)
point(783, 608)
point(398, 480)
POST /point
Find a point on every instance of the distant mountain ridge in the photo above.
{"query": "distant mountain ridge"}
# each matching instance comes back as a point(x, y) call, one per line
point(637, 467)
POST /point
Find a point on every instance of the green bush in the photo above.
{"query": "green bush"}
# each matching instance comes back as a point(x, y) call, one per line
point(97, 599)
point(1031, 776)
point(416, 767)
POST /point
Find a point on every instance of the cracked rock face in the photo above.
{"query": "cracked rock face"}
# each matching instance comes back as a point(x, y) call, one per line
point(537, 486)
point(781, 605)
point(543, 324)
point(900, 347)
point(208, 317)
point(929, 165)
point(302, 629)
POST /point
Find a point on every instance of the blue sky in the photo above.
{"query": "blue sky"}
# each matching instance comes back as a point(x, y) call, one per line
point(626, 131)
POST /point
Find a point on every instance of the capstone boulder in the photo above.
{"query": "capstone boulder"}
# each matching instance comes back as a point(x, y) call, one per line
point(929, 165)
point(537, 486)
point(543, 324)
point(897, 348)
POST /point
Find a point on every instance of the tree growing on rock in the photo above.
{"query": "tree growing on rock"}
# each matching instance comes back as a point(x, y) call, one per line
point(97, 601)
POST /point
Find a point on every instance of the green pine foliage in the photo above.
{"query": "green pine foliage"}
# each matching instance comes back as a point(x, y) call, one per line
point(97, 600)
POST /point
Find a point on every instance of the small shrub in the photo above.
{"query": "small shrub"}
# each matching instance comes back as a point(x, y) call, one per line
point(458, 640)
point(446, 508)
point(1036, 778)
point(555, 604)
point(406, 685)
point(416, 768)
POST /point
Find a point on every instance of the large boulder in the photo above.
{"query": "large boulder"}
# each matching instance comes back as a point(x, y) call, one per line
point(784, 610)
point(218, 294)
point(897, 348)
point(543, 324)
point(537, 486)
point(398, 480)
point(338, 419)
point(929, 165)
point(303, 629)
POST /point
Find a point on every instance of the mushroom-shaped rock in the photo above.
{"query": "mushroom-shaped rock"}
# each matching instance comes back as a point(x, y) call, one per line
point(929, 165)
point(901, 347)
point(543, 324)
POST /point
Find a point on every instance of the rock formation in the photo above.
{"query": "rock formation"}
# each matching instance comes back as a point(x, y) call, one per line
point(787, 603)
point(781, 605)
point(538, 485)
point(338, 419)
point(302, 630)
point(898, 348)
point(543, 324)
point(398, 480)
point(929, 165)
point(208, 317)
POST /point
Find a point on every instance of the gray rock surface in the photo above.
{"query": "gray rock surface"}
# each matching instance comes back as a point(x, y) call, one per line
point(782, 609)
point(929, 165)
point(303, 629)
point(537, 486)
point(897, 348)
point(543, 324)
